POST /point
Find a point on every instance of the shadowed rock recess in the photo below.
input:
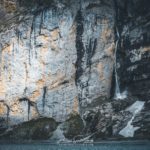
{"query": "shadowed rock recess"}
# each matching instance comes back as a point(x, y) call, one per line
point(60, 61)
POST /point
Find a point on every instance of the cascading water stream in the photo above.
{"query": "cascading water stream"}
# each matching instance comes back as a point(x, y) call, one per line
point(118, 94)
point(117, 89)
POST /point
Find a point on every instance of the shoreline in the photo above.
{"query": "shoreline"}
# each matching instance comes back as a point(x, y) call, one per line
point(47, 142)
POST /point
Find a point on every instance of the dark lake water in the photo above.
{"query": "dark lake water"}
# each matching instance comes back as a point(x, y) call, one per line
point(96, 146)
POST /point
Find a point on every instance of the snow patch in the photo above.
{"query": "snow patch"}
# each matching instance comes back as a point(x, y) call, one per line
point(129, 130)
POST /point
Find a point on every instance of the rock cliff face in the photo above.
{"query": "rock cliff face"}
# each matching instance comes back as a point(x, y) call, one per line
point(57, 60)
point(133, 52)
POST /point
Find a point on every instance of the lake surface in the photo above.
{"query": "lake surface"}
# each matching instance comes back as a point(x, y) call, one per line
point(96, 146)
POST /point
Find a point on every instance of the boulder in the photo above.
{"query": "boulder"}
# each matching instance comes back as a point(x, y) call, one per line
point(39, 129)
point(73, 126)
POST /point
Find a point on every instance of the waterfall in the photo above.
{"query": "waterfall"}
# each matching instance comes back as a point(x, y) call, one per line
point(117, 89)
point(118, 94)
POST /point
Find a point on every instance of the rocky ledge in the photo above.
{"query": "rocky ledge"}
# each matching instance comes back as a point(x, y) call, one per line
point(117, 120)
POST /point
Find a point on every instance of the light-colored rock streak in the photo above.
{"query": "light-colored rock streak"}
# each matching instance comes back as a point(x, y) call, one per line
point(129, 130)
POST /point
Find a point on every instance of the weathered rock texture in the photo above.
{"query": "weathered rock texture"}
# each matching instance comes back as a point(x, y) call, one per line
point(133, 22)
point(57, 58)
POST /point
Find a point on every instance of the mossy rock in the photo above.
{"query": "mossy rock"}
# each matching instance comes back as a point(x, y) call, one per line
point(39, 129)
point(73, 126)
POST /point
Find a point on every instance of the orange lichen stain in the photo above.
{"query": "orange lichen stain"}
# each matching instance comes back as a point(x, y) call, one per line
point(40, 83)
point(54, 85)
point(145, 49)
point(7, 49)
point(2, 89)
point(2, 109)
point(54, 46)
point(43, 50)
point(76, 105)
point(55, 34)
point(100, 69)
point(10, 6)
point(110, 50)
point(43, 54)
point(59, 78)
point(35, 95)
point(44, 38)
point(42, 63)
point(34, 113)
point(15, 107)
point(106, 34)
point(72, 32)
